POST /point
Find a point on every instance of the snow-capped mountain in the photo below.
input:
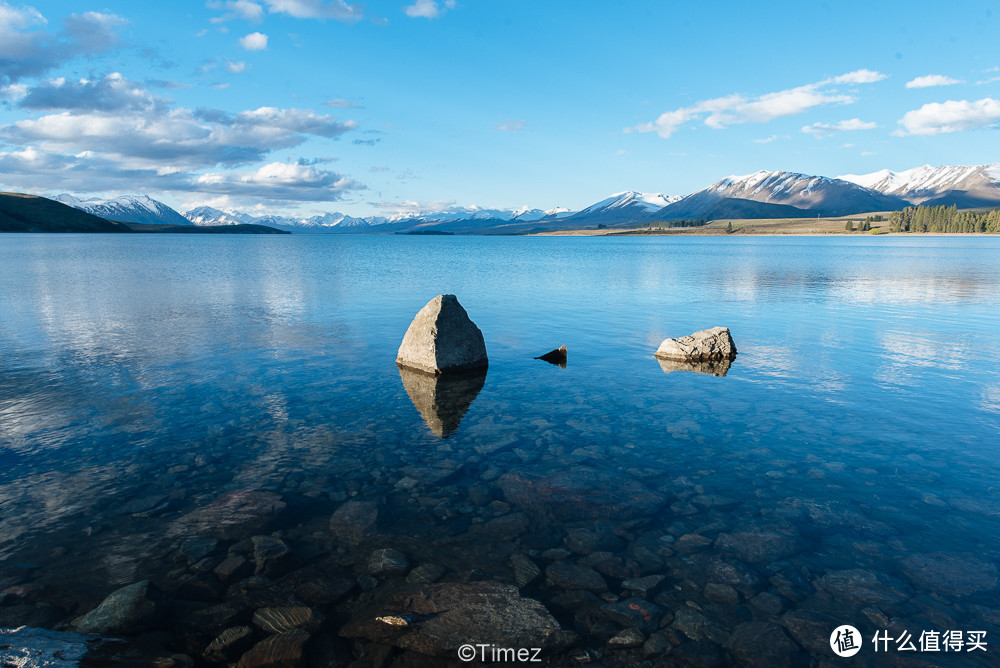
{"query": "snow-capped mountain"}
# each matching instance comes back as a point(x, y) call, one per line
point(127, 209)
point(206, 215)
point(628, 206)
point(965, 186)
point(813, 194)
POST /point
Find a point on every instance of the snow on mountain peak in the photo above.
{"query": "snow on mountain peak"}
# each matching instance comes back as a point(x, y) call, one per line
point(928, 179)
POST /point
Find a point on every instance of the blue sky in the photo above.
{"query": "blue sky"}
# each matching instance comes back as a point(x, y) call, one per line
point(307, 106)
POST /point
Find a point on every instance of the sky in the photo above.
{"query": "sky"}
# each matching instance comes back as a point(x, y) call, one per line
point(298, 107)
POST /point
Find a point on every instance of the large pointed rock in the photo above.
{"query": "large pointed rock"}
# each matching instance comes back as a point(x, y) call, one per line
point(442, 400)
point(709, 344)
point(442, 339)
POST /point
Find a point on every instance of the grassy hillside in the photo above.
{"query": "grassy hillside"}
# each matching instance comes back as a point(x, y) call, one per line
point(30, 213)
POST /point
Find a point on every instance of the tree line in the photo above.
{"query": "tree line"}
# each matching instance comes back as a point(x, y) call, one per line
point(943, 219)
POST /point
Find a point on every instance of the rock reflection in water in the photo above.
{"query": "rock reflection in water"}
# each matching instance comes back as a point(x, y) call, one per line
point(442, 400)
point(714, 367)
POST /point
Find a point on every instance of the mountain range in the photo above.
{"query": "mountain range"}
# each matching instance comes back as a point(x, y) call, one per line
point(762, 194)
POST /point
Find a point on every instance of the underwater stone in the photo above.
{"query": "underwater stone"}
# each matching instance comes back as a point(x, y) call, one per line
point(124, 610)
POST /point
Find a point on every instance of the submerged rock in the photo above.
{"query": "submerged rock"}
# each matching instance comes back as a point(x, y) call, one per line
point(388, 561)
point(442, 339)
point(353, 521)
point(28, 647)
point(950, 574)
point(580, 493)
point(442, 400)
point(709, 344)
point(450, 615)
point(270, 554)
point(557, 356)
point(125, 610)
point(229, 644)
point(285, 650)
point(231, 515)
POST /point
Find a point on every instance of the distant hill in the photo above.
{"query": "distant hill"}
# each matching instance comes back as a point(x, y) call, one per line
point(128, 209)
point(813, 195)
point(30, 213)
point(733, 207)
point(965, 186)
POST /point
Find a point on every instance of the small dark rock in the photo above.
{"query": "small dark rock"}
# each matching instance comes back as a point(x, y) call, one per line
point(233, 568)
point(525, 570)
point(810, 629)
point(585, 541)
point(353, 521)
point(699, 654)
point(271, 555)
point(426, 574)
point(760, 546)
point(125, 610)
point(388, 561)
point(634, 613)
point(950, 574)
point(565, 575)
point(285, 650)
point(625, 639)
point(230, 644)
point(768, 603)
point(197, 548)
point(324, 590)
point(557, 356)
point(281, 619)
point(763, 645)
point(859, 586)
point(721, 593)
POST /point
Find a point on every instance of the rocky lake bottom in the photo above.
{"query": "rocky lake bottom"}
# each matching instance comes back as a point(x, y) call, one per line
point(217, 462)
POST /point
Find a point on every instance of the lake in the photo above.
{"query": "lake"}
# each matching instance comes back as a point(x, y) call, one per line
point(224, 416)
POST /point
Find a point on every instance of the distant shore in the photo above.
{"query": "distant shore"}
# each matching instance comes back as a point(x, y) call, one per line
point(757, 227)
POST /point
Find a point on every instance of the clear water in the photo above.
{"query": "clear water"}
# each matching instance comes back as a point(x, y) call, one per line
point(861, 416)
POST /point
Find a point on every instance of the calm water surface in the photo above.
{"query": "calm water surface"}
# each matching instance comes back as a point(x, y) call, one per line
point(847, 465)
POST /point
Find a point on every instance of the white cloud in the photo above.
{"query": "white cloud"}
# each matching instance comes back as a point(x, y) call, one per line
point(511, 125)
point(932, 80)
point(279, 180)
point(768, 140)
point(859, 77)
point(735, 109)
point(427, 9)
point(341, 102)
point(113, 92)
point(26, 52)
point(235, 67)
point(938, 118)
point(819, 130)
point(152, 134)
point(243, 9)
point(255, 41)
point(13, 92)
point(316, 9)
